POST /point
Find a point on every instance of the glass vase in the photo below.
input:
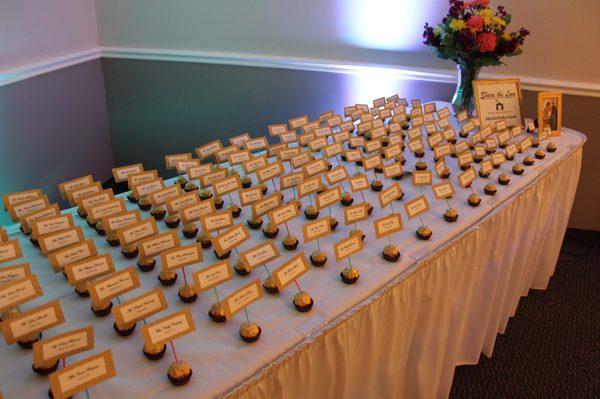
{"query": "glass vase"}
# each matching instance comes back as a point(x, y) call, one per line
point(464, 98)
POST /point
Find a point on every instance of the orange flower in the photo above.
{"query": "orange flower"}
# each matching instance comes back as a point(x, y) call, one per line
point(486, 41)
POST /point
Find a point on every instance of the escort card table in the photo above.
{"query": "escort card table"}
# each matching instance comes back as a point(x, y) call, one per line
point(398, 332)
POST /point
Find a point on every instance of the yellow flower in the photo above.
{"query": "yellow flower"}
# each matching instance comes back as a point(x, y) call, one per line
point(487, 14)
point(457, 24)
point(437, 31)
point(506, 35)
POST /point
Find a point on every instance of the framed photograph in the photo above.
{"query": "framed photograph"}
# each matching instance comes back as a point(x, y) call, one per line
point(550, 112)
point(498, 100)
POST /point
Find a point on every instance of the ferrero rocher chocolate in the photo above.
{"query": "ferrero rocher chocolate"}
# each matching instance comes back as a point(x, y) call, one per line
point(489, 189)
point(102, 308)
point(205, 194)
point(181, 181)
point(540, 154)
point(112, 239)
point(27, 341)
point(217, 313)
point(528, 161)
point(357, 231)
point(130, 250)
point(311, 212)
point(172, 221)
point(474, 200)
point(187, 293)
point(517, 169)
point(189, 187)
point(333, 223)
point(239, 268)
point(255, 222)
point(190, 230)
point(376, 185)
point(100, 228)
point(421, 165)
point(82, 289)
point(451, 215)
point(124, 330)
point(270, 286)
point(144, 203)
point(154, 352)
point(246, 182)
point(167, 277)
point(270, 231)
point(235, 210)
point(551, 147)
point(318, 258)
point(290, 243)
point(158, 212)
point(347, 199)
point(391, 253)
point(45, 368)
point(131, 197)
point(205, 240)
point(250, 331)
point(503, 179)
point(303, 302)
point(424, 233)
point(350, 275)
point(146, 264)
point(179, 373)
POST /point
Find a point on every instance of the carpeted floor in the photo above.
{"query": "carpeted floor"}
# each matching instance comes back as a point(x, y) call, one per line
point(551, 348)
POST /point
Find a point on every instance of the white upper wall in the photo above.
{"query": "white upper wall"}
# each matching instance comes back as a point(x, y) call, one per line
point(562, 45)
point(36, 30)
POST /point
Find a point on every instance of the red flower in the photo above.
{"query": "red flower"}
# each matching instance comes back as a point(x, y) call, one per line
point(476, 23)
point(486, 41)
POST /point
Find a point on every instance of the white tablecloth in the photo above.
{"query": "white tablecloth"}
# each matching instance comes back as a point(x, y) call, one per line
point(398, 332)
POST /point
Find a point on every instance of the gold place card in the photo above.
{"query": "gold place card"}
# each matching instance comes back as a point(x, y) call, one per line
point(416, 206)
point(119, 220)
point(290, 180)
point(256, 144)
point(20, 209)
point(227, 185)
point(32, 321)
point(336, 175)
point(137, 231)
point(466, 178)
point(288, 153)
point(479, 150)
point(352, 155)
point(443, 190)
point(21, 196)
point(250, 195)
point(498, 159)
point(73, 184)
point(317, 144)
point(359, 141)
point(254, 164)
point(283, 214)
point(81, 375)
point(183, 166)
point(309, 186)
point(288, 272)
point(503, 136)
point(111, 207)
point(207, 150)
point(511, 150)
point(259, 255)
point(440, 167)
point(356, 213)
point(490, 144)
point(316, 229)
point(387, 225)
point(305, 138)
point(275, 149)
point(192, 213)
point(242, 298)
point(120, 174)
point(216, 221)
point(449, 134)
point(161, 196)
point(14, 272)
point(44, 213)
point(315, 167)
point(277, 129)
point(347, 247)
point(467, 127)
point(372, 145)
point(174, 204)
point(71, 254)
point(269, 172)
point(151, 246)
point(19, 291)
point(461, 147)
point(329, 197)
point(262, 206)
point(414, 133)
point(149, 187)
point(230, 238)
point(239, 157)
point(333, 150)
point(114, 285)
point(525, 143)
point(197, 172)
point(465, 158)
point(392, 150)
point(298, 122)
point(288, 137)
point(142, 177)
point(422, 178)
point(10, 250)
point(359, 182)
point(179, 257)
point(53, 241)
point(49, 350)
point(389, 195)
point(223, 154)
point(415, 145)
point(211, 276)
point(371, 162)
point(89, 269)
point(168, 328)
point(140, 307)
point(172, 159)
point(87, 201)
point(486, 166)
point(434, 139)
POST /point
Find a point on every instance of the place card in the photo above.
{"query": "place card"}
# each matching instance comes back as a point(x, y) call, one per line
point(277, 129)
point(467, 127)
point(172, 159)
point(230, 238)
point(32, 321)
point(387, 225)
point(390, 194)
point(415, 145)
point(28, 220)
point(317, 144)
point(352, 155)
point(414, 133)
point(525, 143)
point(250, 195)
point(461, 147)
point(192, 213)
point(485, 132)
point(259, 255)
point(264, 205)
point(479, 150)
point(422, 178)
point(140, 307)
point(371, 162)
point(309, 186)
point(53, 241)
point(119, 220)
point(49, 350)
point(333, 150)
point(503, 136)
point(269, 172)
point(212, 276)
point(149, 187)
point(449, 134)
point(239, 157)
point(305, 138)
point(19, 291)
point(174, 204)
point(511, 150)
point(10, 250)
point(440, 167)
point(89, 268)
point(207, 150)
point(443, 190)
point(344, 135)
point(356, 213)
point(151, 246)
point(283, 214)
point(372, 145)
point(216, 220)
point(71, 254)
point(14, 272)
point(120, 174)
point(227, 185)
point(466, 178)
point(242, 298)
point(392, 150)
point(358, 182)
point(329, 197)
point(315, 167)
point(182, 256)
point(417, 120)
point(486, 166)
point(416, 206)
point(136, 231)
point(183, 166)
point(476, 138)
point(275, 149)
point(81, 375)
point(73, 184)
point(196, 172)
point(289, 271)
point(498, 159)
point(517, 130)
point(256, 144)
point(161, 196)
point(288, 153)
point(490, 144)
point(142, 177)
point(20, 209)
point(21, 196)
point(316, 229)
point(87, 201)
point(97, 212)
point(223, 154)
point(298, 121)
point(114, 285)
point(465, 158)
point(430, 127)
point(336, 175)
point(347, 247)
point(208, 179)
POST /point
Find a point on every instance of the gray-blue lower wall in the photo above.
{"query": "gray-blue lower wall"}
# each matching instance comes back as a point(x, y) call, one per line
point(54, 127)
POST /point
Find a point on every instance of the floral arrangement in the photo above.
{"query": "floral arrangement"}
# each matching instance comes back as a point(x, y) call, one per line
point(474, 34)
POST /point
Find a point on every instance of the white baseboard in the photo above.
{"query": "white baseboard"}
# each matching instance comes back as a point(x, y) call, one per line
point(268, 61)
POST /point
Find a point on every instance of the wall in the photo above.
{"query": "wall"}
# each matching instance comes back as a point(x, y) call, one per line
point(35, 30)
point(374, 31)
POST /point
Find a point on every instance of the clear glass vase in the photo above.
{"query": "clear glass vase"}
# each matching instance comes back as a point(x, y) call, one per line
point(463, 98)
